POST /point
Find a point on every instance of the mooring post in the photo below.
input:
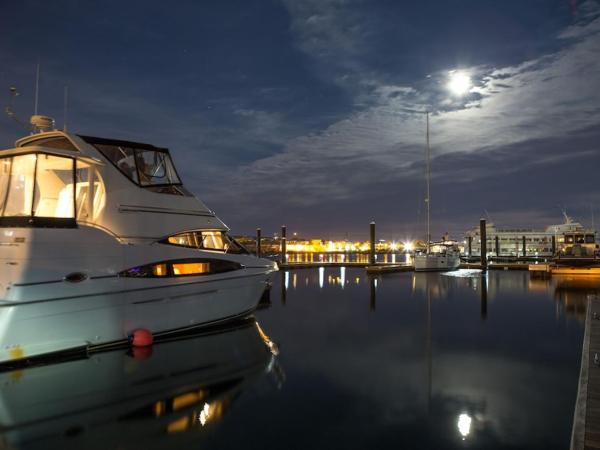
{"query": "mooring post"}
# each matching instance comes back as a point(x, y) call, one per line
point(283, 245)
point(553, 245)
point(258, 241)
point(470, 241)
point(372, 246)
point(483, 252)
point(524, 247)
point(497, 246)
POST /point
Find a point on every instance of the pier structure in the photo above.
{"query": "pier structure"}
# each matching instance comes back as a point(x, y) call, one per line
point(530, 243)
point(586, 419)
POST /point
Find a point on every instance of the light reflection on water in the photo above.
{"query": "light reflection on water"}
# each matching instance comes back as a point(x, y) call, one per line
point(408, 360)
point(363, 258)
point(437, 360)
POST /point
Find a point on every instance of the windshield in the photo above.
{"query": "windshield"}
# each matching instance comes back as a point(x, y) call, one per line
point(143, 164)
point(155, 168)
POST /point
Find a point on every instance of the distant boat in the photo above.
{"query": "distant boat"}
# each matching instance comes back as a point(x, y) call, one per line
point(447, 256)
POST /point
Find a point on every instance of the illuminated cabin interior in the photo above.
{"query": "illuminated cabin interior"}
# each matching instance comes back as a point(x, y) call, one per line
point(41, 187)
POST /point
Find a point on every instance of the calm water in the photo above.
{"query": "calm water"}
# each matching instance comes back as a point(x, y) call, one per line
point(415, 361)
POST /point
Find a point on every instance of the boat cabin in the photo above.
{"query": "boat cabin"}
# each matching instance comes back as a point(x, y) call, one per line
point(130, 190)
point(49, 187)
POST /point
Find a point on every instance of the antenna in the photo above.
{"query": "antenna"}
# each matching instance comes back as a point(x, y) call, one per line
point(10, 112)
point(66, 102)
point(565, 215)
point(9, 109)
point(37, 88)
point(428, 176)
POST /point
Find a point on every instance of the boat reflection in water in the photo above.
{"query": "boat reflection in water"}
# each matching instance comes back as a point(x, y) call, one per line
point(137, 397)
point(572, 293)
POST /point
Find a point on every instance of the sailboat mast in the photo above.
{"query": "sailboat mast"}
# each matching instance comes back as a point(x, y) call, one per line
point(427, 177)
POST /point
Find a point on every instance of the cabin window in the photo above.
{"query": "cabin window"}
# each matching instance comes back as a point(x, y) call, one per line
point(579, 239)
point(181, 268)
point(160, 270)
point(37, 190)
point(53, 194)
point(90, 194)
point(16, 192)
point(191, 268)
point(148, 271)
point(569, 239)
point(590, 239)
point(206, 240)
point(215, 240)
point(60, 143)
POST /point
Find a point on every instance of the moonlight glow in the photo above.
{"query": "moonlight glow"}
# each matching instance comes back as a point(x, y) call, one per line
point(459, 83)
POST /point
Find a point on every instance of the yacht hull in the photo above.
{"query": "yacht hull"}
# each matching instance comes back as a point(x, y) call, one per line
point(34, 328)
point(434, 262)
point(43, 310)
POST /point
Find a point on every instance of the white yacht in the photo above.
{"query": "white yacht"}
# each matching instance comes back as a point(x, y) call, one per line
point(442, 257)
point(99, 237)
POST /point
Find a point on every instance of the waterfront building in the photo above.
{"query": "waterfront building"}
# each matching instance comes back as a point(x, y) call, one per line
point(529, 242)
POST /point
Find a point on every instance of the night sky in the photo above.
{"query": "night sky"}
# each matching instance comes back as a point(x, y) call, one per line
point(307, 112)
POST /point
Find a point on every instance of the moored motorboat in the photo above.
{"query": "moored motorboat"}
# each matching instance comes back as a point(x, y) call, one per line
point(99, 237)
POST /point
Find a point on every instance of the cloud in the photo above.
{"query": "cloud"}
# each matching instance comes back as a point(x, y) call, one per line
point(336, 123)
point(514, 112)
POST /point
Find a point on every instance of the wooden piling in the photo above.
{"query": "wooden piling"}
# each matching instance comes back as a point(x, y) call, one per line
point(483, 246)
point(553, 245)
point(283, 244)
point(524, 247)
point(470, 242)
point(372, 246)
point(497, 246)
point(258, 242)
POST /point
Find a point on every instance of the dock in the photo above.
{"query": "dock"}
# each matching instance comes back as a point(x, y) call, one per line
point(547, 270)
point(496, 266)
point(312, 265)
point(586, 420)
point(381, 268)
point(376, 269)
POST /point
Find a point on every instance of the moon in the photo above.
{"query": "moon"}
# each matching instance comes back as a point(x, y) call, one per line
point(459, 83)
